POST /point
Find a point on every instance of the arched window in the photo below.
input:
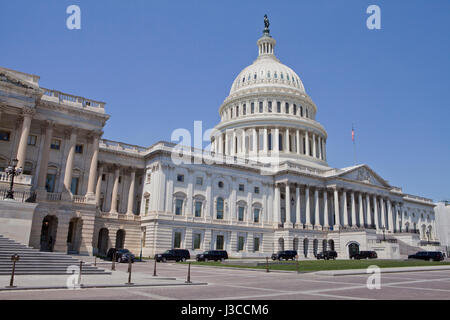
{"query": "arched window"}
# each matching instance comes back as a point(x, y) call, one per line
point(315, 246)
point(301, 111)
point(219, 208)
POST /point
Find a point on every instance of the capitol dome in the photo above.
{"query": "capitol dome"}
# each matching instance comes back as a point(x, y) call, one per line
point(267, 71)
point(268, 116)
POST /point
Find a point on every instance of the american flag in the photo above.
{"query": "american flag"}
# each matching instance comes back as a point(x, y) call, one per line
point(353, 134)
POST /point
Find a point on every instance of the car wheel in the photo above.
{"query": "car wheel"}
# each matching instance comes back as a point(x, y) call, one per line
point(163, 259)
point(222, 259)
point(183, 259)
point(206, 260)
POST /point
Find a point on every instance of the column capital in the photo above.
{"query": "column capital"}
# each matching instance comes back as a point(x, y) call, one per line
point(28, 112)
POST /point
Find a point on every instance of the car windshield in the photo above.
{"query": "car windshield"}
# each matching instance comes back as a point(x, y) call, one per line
point(206, 252)
point(124, 251)
point(167, 251)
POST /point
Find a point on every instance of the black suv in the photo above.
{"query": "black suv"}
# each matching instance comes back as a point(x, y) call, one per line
point(364, 255)
point(427, 255)
point(327, 255)
point(122, 255)
point(286, 255)
point(215, 255)
point(173, 254)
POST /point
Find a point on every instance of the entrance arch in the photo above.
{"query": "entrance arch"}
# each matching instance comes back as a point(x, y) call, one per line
point(353, 248)
point(120, 239)
point(74, 235)
point(324, 244)
point(295, 244)
point(315, 247)
point(331, 244)
point(305, 247)
point(48, 233)
point(103, 239)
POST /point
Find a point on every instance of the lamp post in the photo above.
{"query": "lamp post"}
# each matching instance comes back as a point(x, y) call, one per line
point(384, 236)
point(142, 240)
point(12, 171)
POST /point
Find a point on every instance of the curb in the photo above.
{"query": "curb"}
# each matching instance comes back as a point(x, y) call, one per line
point(104, 286)
point(382, 270)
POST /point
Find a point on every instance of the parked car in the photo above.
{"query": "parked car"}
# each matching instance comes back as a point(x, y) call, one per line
point(364, 255)
point(327, 255)
point(427, 255)
point(286, 255)
point(122, 255)
point(173, 254)
point(215, 255)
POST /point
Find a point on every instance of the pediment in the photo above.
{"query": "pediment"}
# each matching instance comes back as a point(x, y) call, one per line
point(364, 174)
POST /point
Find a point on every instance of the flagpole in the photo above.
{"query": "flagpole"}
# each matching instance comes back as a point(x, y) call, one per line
point(354, 145)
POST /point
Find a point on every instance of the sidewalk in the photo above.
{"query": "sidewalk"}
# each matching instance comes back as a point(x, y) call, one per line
point(116, 279)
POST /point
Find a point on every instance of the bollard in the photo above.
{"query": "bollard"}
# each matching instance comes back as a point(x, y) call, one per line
point(267, 264)
point(79, 276)
point(129, 271)
point(14, 259)
point(189, 274)
point(113, 263)
point(95, 261)
point(154, 269)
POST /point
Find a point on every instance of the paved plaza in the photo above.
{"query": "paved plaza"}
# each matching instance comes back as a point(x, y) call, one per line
point(227, 284)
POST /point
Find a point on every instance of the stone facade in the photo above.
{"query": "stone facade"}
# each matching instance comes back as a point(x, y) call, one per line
point(264, 185)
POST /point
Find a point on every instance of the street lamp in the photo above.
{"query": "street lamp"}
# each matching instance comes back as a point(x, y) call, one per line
point(12, 171)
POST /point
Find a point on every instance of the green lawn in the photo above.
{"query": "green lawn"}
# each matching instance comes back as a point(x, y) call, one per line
point(318, 265)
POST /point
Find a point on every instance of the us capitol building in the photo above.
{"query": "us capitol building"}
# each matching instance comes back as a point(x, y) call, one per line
point(264, 185)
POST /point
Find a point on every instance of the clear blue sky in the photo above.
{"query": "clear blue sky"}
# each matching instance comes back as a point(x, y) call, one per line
point(160, 65)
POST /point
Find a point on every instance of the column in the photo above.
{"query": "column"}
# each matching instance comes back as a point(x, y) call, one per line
point(298, 206)
point(276, 205)
point(131, 191)
point(45, 157)
point(390, 216)
point(255, 142)
point(325, 209)
point(243, 148)
point(399, 219)
point(324, 143)
point(227, 144)
point(316, 209)
point(368, 211)
point(361, 211)
point(306, 143)
point(288, 206)
point(115, 190)
point(93, 166)
point(233, 144)
point(337, 218)
point(375, 213)
point(297, 134)
point(344, 204)
point(98, 188)
point(220, 143)
point(314, 151)
point(69, 161)
point(23, 142)
point(383, 216)
point(286, 147)
point(353, 208)
point(308, 209)
point(320, 148)
point(276, 140)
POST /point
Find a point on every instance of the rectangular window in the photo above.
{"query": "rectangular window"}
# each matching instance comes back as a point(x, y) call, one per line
point(269, 107)
point(287, 107)
point(241, 242)
point(103, 177)
point(219, 208)
point(79, 148)
point(55, 144)
point(256, 244)
point(237, 111)
point(177, 240)
point(50, 182)
point(32, 140)
point(278, 106)
point(244, 109)
point(256, 215)
point(4, 135)
point(147, 202)
point(197, 241)
point(295, 109)
point(252, 107)
point(74, 185)
point(180, 178)
point(261, 109)
point(198, 208)
point(179, 207)
point(219, 242)
point(199, 181)
point(241, 187)
point(241, 213)
point(256, 190)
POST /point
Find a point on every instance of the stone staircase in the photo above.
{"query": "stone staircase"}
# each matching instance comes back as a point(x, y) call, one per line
point(35, 262)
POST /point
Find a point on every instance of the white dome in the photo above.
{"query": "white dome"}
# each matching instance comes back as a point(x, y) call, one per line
point(267, 71)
